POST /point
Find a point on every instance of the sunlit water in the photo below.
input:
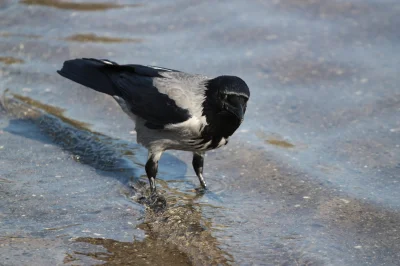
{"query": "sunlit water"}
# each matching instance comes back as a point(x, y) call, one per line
point(310, 178)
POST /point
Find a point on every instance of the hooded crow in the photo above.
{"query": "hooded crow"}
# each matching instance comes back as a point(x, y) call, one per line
point(171, 109)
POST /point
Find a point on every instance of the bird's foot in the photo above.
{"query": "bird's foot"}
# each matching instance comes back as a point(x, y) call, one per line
point(201, 190)
point(156, 202)
point(150, 198)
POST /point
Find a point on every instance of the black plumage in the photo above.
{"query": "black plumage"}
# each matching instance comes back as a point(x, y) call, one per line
point(131, 82)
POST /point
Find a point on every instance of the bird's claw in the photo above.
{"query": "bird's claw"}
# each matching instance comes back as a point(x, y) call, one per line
point(154, 201)
point(201, 190)
point(157, 202)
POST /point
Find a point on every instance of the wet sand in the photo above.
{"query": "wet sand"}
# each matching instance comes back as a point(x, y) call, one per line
point(310, 178)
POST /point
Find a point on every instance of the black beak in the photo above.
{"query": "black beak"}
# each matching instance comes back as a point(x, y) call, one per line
point(236, 110)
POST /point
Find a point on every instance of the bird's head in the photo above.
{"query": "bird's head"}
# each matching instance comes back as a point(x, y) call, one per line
point(226, 101)
point(229, 94)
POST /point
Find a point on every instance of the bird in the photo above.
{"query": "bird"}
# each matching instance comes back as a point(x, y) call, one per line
point(172, 110)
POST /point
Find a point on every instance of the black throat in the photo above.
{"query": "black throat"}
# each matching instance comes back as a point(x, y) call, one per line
point(220, 123)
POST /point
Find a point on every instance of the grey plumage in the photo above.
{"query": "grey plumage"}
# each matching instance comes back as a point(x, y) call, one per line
point(171, 109)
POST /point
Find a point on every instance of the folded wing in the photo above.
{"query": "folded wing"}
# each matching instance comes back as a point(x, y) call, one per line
point(133, 83)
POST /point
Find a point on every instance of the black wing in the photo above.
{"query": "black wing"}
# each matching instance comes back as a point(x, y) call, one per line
point(133, 83)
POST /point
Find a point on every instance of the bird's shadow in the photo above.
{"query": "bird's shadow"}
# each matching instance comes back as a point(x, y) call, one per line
point(111, 157)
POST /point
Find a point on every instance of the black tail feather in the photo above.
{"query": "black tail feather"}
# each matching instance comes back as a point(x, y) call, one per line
point(91, 73)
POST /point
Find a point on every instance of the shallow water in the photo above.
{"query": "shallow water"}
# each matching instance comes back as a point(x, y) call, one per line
point(310, 178)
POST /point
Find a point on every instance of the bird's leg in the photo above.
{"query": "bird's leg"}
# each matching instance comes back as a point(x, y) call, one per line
point(198, 162)
point(152, 168)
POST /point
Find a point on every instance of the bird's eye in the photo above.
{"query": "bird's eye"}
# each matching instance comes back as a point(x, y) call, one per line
point(230, 98)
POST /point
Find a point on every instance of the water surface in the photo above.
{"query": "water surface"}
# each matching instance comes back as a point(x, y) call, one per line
point(310, 178)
